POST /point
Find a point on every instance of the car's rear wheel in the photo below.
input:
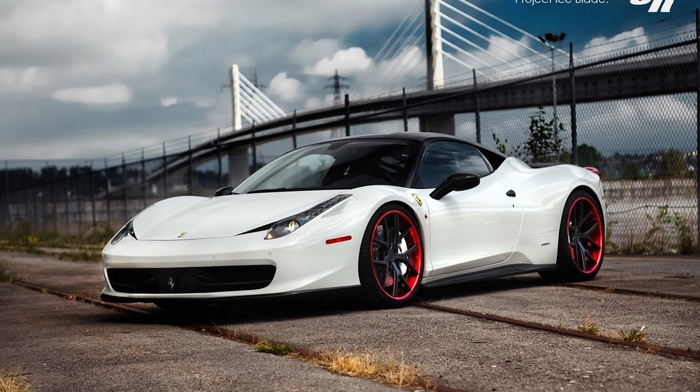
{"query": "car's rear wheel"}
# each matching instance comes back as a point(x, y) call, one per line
point(581, 240)
point(391, 257)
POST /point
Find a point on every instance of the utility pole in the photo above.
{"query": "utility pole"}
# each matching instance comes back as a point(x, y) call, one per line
point(337, 86)
point(258, 85)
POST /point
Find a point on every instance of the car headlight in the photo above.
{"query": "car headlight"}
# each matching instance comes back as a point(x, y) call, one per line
point(293, 223)
point(128, 229)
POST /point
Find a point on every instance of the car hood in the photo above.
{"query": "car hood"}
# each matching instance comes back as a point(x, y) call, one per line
point(225, 216)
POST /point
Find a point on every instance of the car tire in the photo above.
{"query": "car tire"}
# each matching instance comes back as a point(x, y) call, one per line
point(581, 240)
point(391, 258)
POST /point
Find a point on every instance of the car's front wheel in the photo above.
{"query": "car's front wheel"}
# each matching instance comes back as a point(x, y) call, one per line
point(391, 257)
point(581, 240)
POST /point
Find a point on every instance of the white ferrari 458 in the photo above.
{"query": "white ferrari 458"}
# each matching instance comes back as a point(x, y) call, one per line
point(382, 215)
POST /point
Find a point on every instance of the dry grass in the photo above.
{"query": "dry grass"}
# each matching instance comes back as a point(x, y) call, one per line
point(389, 371)
point(13, 381)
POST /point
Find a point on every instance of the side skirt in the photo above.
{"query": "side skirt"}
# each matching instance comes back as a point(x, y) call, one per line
point(499, 272)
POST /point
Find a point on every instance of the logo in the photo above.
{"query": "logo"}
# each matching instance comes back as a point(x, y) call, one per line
point(182, 234)
point(418, 200)
point(171, 283)
point(656, 5)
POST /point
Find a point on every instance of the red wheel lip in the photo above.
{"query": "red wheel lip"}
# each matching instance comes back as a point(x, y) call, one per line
point(598, 255)
point(414, 281)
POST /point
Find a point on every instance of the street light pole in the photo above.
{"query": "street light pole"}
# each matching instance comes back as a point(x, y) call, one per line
point(550, 39)
point(554, 97)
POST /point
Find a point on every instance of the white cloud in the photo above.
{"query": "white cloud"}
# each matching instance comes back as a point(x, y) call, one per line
point(347, 62)
point(602, 45)
point(285, 88)
point(103, 95)
point(404, 70)
point(168, 101)
point(21, 79)
point(78, 42)
point(504, 49)
point(313, 102)
point(311, 52)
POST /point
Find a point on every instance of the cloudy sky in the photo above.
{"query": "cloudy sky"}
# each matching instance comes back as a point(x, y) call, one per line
point(81, 79)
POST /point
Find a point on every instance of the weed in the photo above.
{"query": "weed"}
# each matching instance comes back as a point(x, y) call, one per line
point(656, 238)
point(80, 248)
point(634, 335)
point(265, 346)
point(5, 274)
point(610, 245)
point(589, 327)
point(13, 381)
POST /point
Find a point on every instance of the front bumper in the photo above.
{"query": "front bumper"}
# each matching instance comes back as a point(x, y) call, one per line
point(241, 266)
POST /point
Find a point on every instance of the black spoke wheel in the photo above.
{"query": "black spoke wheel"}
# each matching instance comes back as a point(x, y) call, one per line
point(581, 240)
point(391, 257)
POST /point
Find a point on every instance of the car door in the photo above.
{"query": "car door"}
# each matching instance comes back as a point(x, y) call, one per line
point(471, 228)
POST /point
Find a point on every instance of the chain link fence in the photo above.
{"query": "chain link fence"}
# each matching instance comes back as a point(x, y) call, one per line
point(634, 116)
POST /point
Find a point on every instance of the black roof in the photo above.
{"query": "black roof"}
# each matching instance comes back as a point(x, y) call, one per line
point(422, 137)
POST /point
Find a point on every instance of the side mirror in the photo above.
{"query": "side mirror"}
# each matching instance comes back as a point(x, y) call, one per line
point(223, 191)
point(455, 182)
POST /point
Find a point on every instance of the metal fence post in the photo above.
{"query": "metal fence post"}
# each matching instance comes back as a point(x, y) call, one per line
point(143, 179)
point(477, 109)
point(54, 199)
point(294, 129)
point(574, 129)
point(80, 205)
point(126, 196)
point(255, 150)
point(107, 190)
point(8, 218)
point(347, 114)
point(92, 198)
point(190, 165)
point(405, 110)
point(66, 190)
point(218, 154)
point(165, 173)
point(697, 123)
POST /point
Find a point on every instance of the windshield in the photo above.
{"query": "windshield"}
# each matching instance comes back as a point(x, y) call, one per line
point(337, 164)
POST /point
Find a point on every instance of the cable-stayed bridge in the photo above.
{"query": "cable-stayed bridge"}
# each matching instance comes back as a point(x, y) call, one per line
point(452, 49)
point(446, 47)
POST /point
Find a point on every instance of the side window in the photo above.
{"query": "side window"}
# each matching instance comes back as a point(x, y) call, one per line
point(444, 158)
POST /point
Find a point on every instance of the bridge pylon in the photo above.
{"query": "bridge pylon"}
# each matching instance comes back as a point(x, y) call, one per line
point(442, 123)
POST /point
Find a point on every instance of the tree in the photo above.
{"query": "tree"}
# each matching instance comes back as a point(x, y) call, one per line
point(589, 156)
point(542, 146)
point(672, 163)
point(631, 172)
